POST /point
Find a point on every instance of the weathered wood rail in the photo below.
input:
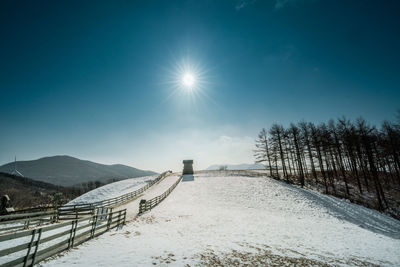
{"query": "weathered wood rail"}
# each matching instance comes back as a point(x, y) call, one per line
point(120, 199)
point(14, 222)
point(24, 220)
point(71, 213)
point(146, 205)
point(54, 238)
point(31, 209)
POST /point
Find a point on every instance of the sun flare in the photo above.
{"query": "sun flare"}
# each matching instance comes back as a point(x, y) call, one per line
point(188, 80)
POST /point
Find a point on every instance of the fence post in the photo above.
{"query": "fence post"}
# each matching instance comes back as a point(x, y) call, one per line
point(109, 220)
point(119, 219)
point(57, 214)
point(73, 237)
point(94, 226)
point(70, 234)
point(53, 218)
point(37, 246)
point(29, 248)
point(142, 206)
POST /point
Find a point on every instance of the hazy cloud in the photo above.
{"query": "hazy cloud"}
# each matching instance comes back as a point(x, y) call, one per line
point(162, 151)
point(243, 3)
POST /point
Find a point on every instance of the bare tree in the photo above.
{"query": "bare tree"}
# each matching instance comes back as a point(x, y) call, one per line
point(343, 157)
point(262, 153)
point(277, 133)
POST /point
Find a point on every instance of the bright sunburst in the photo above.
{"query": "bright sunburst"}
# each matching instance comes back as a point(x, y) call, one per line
point(188, 80)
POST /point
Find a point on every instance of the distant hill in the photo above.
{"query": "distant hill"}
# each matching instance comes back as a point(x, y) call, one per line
point(69, 171)
point(244, 166)
point(26, 193)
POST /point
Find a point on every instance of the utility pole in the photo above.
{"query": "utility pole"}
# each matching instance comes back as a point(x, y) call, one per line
point(15, 171)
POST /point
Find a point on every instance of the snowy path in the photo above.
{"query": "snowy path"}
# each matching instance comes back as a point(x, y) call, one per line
point(229, 220)
point(132, 207)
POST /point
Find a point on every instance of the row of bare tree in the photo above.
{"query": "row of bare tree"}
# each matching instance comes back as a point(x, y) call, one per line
point(354, 156)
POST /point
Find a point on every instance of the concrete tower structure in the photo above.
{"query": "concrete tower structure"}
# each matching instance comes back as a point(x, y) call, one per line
point(188, 167)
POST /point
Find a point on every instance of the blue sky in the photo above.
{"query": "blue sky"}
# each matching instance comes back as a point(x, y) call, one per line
point(99, 80)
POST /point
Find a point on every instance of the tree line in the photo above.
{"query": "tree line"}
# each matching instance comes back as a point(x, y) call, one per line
point(341, 157)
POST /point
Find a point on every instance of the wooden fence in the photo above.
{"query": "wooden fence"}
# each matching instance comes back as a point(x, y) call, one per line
point(146, 205)
point(15, 222)
point(120, 199)
point(31, 209)
point(24, 220)
point(26, 252)
point(71, 213)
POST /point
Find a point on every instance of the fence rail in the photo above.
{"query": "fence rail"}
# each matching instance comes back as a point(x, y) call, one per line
point(31, 209)
point(71, 213)
point(72, 233)
point(23, 221)
point(146, 205)
point(19, 221)
point(16, 222)
point(120, 199)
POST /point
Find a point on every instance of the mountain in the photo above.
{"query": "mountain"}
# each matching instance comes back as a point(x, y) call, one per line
point(68, 171)
point(243, 166)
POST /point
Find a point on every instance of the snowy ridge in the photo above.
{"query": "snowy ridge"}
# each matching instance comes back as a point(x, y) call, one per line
point(227, 220)
point(112, 190)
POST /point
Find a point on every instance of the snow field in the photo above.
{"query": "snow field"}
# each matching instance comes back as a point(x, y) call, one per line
point(230, 220)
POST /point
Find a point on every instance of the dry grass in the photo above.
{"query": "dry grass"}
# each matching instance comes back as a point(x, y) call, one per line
point(263, 256)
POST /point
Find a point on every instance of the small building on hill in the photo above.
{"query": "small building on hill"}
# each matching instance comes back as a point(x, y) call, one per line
point(188, 167)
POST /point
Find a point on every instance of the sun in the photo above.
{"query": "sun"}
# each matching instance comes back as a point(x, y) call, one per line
point(188, 80)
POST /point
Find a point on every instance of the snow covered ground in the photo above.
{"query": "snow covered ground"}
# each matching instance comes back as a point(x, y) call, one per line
point(112, 190)
point(228, 220)
point(132, 207)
